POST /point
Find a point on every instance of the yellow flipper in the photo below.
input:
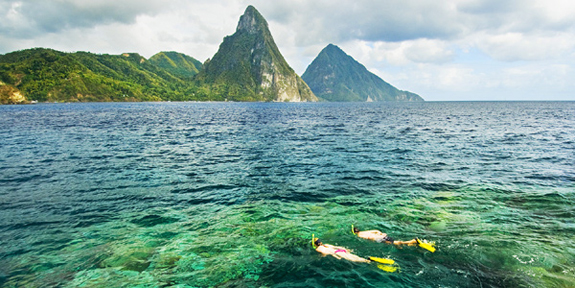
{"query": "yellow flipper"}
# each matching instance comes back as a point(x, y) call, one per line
point(382, 260)
point(389, 269)
point(425, 245)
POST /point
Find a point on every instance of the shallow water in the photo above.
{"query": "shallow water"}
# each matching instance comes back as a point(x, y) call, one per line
point(229, 194)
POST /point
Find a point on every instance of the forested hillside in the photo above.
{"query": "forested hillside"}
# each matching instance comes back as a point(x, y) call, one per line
point(47, 75)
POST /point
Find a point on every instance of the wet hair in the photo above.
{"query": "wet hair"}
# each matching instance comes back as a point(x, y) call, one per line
point(317, 242)
point(355, 230)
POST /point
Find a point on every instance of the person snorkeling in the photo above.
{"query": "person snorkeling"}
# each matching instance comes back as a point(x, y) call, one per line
point(344, 253)
point(337, 251)
point(380, 237)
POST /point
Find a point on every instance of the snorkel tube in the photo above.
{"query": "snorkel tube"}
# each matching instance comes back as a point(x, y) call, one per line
point(313, 241)
point(352, 232)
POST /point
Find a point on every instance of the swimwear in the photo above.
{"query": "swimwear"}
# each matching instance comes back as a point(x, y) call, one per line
point(385, 239)
point(340, 250)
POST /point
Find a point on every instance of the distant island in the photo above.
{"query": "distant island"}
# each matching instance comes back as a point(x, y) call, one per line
point(247, 67)
point(336, 76)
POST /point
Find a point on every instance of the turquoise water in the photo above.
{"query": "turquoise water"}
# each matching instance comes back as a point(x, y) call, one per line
point(229, 194)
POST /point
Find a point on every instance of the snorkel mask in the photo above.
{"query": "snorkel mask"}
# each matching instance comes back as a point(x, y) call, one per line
point(313, 239)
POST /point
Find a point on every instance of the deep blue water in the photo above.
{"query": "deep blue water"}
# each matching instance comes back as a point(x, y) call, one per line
point(228, 194)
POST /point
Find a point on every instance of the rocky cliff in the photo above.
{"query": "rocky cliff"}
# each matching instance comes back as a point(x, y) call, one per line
point(11, 95)
point(249, 66)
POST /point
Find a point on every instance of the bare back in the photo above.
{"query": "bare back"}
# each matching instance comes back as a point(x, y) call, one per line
point(339, 253)
point(372, 235)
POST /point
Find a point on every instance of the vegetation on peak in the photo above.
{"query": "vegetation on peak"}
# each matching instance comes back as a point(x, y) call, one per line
point(134, 57)
point(48, 75)
point(335, 76)
point(252, 21)
point(178, 64)
point(249, 66)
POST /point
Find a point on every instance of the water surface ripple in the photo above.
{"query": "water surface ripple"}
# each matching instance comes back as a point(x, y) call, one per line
point(228, 194)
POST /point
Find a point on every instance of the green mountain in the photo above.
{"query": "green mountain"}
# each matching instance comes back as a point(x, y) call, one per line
point(177, 64)
point(335, 76)
point(48, 75)
point(249, 66)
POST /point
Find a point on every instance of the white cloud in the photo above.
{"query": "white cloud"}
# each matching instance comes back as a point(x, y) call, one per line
point(558, 14)
point(429, 51)
point(557, 75)
point(42, 17)
point(521, 47)
point(369, 20)
point(400, 53)
point(428, 47)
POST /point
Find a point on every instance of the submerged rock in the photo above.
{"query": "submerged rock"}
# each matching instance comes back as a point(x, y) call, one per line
point(129, 258)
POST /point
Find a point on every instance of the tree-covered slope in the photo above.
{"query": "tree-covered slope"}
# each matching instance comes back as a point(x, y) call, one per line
point(249, 66)
point(335, 76)
point(177, 64)
point(48, 75)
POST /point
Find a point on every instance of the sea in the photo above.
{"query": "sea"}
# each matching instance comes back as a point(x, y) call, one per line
point(230, 194)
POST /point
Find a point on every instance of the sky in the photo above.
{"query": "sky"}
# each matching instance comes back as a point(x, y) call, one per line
point(448, 50)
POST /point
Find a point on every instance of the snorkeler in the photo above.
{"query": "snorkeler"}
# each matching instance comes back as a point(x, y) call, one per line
point(381, 237)
point(342, 252)
point(337, 252)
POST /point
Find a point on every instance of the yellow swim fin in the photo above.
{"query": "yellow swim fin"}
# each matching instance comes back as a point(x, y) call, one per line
point(425, 245)
point(382, 260)
point(389, 269)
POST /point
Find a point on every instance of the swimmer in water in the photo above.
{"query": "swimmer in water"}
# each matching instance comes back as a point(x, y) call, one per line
point(378, 236)
point(337, 252)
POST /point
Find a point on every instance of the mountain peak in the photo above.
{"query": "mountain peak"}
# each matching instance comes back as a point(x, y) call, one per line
point(332, 47)
point(335, 76)
point(332, 50)
point(249, 66)
point(251, 21)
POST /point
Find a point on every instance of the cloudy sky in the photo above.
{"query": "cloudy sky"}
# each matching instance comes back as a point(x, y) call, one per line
point(441, 50)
